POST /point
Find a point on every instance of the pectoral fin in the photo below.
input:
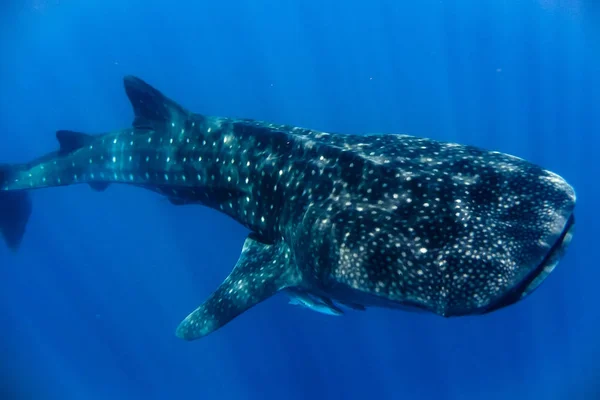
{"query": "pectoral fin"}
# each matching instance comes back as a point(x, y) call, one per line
point(261, 271)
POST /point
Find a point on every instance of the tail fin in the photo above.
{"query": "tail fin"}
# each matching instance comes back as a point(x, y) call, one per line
point(15, 209)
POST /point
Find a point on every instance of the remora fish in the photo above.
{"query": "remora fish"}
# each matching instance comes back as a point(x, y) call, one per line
point(366, 220)
point(312, 302)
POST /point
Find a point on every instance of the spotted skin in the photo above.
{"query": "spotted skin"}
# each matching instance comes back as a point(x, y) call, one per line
point(362, 220)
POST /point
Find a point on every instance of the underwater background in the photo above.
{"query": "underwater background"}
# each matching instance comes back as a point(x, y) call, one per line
point(90, 302)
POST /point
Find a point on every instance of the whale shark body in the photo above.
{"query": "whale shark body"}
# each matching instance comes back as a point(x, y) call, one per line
point(377, 220)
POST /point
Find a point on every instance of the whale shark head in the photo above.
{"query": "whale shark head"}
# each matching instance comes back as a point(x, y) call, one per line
point(554, 237)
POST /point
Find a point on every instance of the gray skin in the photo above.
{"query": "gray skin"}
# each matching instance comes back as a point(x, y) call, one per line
point(363, 220)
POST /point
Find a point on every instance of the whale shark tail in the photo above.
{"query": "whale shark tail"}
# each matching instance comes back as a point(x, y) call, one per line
point(15, 209)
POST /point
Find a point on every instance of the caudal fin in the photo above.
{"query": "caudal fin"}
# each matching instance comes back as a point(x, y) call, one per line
point(15, 209)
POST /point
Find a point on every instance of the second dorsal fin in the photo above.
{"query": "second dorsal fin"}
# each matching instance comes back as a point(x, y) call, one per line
point(71, 140)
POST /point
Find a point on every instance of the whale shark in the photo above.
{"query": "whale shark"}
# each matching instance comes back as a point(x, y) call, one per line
point(355, 220)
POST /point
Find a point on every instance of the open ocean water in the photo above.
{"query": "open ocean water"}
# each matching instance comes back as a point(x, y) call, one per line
point(90, 302)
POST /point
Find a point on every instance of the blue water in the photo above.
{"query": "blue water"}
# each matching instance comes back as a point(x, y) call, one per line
point(89, 304)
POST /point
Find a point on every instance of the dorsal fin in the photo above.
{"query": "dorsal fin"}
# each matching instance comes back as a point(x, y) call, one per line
point(151, 107)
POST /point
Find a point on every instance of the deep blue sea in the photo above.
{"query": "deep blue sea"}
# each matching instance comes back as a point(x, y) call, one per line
point(90, 302)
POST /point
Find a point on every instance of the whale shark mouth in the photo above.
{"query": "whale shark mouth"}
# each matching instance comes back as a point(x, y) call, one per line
point(533, 280)
point(551, 260)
